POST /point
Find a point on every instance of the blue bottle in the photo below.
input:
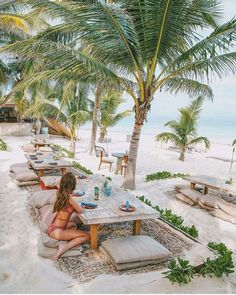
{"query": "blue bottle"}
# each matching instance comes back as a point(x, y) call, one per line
point(127, 205)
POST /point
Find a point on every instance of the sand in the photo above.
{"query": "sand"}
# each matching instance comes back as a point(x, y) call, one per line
point(22, 271)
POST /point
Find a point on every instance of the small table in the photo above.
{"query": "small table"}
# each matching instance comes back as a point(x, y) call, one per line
point(41, 167)
point(108, 212)
point(211, 182)
point(119, 157)
point(39, 143)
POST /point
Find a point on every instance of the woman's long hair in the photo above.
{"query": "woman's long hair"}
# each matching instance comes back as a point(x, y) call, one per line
point(67, 185)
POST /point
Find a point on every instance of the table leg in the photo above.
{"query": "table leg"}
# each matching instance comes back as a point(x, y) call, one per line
point(205, 190)
point(41, 172)
point(137, 227)
point(118, 165)
point(193, 185)
point(94, 236)
point(63, 171)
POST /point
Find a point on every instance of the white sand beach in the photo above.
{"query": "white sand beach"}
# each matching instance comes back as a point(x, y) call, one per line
point(23, 271)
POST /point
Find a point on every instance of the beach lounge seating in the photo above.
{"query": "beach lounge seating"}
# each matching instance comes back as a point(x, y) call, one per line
point(22, 175)
point(104, 160)
point(134, 251)
point(41, 204)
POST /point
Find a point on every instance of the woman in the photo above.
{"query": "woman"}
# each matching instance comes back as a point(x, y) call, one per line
point(61, 229)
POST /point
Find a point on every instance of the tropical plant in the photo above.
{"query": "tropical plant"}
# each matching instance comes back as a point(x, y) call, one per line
point(184, 133)
point(172, 218)
point(234, 142)
point(77, 165)
point(3, 145)
point(68, 103)
point(109, 117)
point(164, 175)
point(181, 271)
point(155, 43)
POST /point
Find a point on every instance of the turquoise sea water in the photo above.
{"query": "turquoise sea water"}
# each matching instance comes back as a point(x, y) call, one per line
point(216, 129)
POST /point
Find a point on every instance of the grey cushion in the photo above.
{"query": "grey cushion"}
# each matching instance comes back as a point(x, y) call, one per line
point(27, 175)
point(224, 216)
point(48, 241)
point(41, 198)
point(13, 166)
point(228, 208)
point(130, 265)
point(135, 249)
point(47, 252)
point(210, 200)
point(192, 194)
point(185, 199)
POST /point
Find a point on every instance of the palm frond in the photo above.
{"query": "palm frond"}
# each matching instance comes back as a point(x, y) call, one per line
point(200, 139)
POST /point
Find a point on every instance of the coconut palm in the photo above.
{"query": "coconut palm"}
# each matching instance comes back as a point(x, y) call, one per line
point(184, 133)
point(109, 117)
point(68, 103)
point(144, 46)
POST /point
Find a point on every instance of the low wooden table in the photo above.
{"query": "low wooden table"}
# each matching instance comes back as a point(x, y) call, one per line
point(211, 182)
point(41, 167)
point(108, 212)
point(39, 143)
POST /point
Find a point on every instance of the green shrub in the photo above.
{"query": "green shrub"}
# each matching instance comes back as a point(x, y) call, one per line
point(164, 175)
point(180, 271)
point(63, 153)
point(3, 145)
point(172, 218)
point(77, 165)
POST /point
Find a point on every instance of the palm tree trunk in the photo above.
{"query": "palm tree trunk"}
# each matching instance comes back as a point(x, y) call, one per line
point(38, 125)
point(72, 145)
point(129, 181)
point(182, 155)
point(103, 133)
point(95, 119)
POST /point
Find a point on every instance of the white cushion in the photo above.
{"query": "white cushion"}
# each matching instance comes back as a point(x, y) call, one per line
point(13, 166)
point(135, 249)
point(41, 198)
point(50, 181)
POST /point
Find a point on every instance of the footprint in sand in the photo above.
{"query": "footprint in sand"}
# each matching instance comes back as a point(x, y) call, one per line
point(4, 276)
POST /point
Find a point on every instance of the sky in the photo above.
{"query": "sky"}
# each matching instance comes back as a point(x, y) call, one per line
point(218, 118)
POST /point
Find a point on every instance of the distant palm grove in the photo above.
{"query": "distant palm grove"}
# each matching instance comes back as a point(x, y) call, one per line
point(71, 61)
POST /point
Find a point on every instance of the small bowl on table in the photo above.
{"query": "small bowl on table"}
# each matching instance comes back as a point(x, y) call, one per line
point(131, 208)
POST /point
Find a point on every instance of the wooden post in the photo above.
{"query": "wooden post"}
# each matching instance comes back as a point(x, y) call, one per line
point(137, 227)
point(63, 171)
point(205, 190)
point(193, 185)
point(94, 236)
point(41, 172)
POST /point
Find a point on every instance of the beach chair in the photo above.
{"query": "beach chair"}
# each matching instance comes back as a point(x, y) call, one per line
point(104, 160)
point(98, 150)
point(124, 165)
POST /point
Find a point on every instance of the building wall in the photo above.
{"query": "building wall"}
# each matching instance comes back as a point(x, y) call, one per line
point(16, 129)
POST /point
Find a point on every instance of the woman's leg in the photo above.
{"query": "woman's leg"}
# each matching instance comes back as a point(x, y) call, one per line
point(75, 238)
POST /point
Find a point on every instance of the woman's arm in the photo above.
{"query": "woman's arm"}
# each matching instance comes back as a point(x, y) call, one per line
point(75, 205)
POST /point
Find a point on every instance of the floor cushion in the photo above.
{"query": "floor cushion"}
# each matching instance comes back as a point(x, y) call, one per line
point(49, 182)
point(48, 252)
point(205, 206)
point(210, 200)
point(27, 175)
point(135, 250)
point(222, 215)
point(185, 199)
point(41, 198)
point(192, 194)
point(13, 166)
point(48, 241)
point(228, 208)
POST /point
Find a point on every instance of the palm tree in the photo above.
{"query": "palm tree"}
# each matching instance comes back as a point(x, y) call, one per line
point(109, 116)
point(234, 142)
point(184, 133)
point(68, 103)
point(144, 46)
